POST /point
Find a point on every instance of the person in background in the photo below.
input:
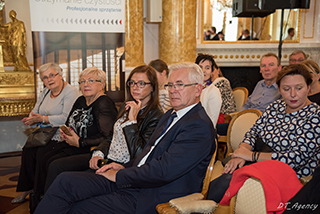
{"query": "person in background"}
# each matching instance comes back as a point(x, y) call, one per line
point(206, 35)
point(212, 71)
point(52, 108)
point(289, 126)
point(296, 57)
point(178, 152)
point(213, 34)
point(313, 68)
point(290, 34)
point(245, 35)
point(162, 75)
point(221, 36)
point(138, 117)
point(266, 90)
point(210, 97)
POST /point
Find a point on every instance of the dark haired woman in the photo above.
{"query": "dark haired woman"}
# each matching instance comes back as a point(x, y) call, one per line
point(162, 75)
point(137, 119)
point(213, 75)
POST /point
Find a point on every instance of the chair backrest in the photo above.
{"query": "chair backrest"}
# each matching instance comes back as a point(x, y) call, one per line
point(239, 125)
point(209, 172)
point(250, 198)
point(240, 96)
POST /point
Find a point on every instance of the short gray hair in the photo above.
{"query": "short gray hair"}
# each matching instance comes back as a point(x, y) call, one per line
point(195, 72)
point(101, 75)
point(54, 66)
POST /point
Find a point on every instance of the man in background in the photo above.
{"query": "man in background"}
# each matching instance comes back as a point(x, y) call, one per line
point(266, 90)
point(297, 57)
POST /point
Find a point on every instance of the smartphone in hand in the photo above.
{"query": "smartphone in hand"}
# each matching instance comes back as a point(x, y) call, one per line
point(66, 130)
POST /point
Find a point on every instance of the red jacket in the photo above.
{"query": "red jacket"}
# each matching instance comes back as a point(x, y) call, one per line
point(279, 181)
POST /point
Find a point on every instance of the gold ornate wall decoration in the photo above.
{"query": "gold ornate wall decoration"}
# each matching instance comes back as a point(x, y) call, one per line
point(17, 93)
point(10, 108)
point(16, 79)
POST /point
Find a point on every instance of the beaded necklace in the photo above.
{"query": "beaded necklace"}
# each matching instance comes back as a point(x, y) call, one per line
point(59, 92)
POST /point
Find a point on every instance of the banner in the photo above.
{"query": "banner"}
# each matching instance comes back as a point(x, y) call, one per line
point(78, 15)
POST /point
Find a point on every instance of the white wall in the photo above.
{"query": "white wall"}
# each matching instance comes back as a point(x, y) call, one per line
point(151, 38)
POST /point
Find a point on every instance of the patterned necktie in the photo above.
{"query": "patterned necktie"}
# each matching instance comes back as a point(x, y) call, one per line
point(171, 118)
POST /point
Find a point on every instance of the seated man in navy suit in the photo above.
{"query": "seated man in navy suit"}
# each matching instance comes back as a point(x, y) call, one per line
point(173, 163)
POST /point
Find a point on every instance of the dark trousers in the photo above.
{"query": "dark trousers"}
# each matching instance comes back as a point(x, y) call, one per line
point(218, 187)
point(307, 200)
point(86, 192)
point(71, 163)
point(34, 163)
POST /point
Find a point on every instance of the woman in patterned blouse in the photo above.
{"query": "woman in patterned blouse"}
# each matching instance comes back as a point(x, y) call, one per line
point(290, 127)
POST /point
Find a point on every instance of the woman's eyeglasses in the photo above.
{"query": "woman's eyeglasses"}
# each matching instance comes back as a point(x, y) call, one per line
point(140, 84)
point(51, 76)
point(90, 81)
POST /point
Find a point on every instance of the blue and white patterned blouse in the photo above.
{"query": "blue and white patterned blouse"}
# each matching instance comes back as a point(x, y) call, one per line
point(294, 137)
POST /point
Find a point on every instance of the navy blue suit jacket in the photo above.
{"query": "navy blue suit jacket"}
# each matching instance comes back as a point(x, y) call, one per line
point(177, 165)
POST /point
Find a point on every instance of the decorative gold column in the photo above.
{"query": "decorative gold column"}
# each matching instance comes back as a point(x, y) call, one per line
point(134, 33)
point(177, 33)
point(1, 56)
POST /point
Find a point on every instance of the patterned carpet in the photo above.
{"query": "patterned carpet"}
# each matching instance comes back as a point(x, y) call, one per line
point(9, 172)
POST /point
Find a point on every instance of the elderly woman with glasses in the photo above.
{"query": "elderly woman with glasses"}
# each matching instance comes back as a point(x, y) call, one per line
point(137, 119)
point(51, 109)
point(90, 122)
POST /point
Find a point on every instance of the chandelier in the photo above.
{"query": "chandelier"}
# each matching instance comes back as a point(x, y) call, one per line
point(221, 4)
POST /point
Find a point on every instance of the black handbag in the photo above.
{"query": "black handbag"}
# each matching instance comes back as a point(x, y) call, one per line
point(40, 137)
point(259, 146)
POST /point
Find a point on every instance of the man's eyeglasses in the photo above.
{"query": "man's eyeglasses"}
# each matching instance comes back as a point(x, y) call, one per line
point(90, 81)
point(140, 84)
point(51, 76)
point(296, 60)
point(178, 86)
